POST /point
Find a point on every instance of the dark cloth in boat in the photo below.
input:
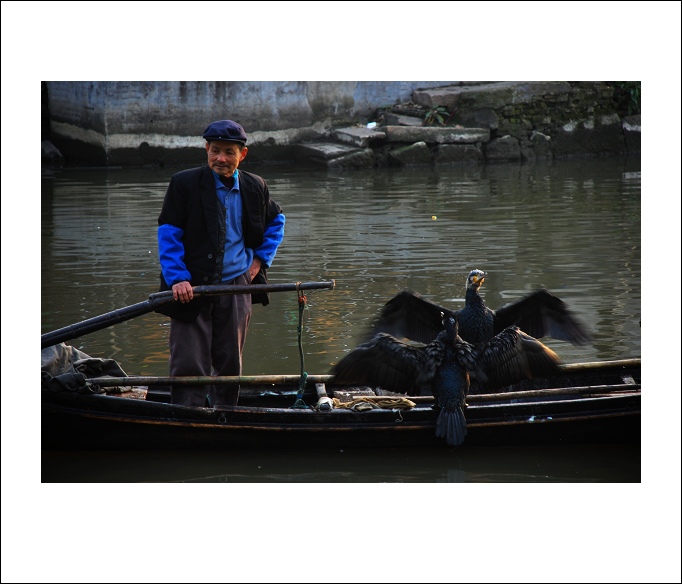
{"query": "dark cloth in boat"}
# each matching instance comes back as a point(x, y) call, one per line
point(65, 368)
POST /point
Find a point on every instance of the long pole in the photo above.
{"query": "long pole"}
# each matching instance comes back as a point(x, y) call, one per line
point(155, 300)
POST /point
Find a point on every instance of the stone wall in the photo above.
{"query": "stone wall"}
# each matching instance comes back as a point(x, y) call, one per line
point(336, 124)
point(155, 122)
point(564, 118)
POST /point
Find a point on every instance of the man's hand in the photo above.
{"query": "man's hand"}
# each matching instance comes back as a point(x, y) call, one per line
point(183, 292)
point(255, 268)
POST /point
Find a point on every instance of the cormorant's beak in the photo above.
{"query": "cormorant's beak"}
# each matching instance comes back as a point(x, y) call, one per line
point(478, 279)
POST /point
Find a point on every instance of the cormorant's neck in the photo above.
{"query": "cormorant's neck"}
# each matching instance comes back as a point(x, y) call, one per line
point(472, 296)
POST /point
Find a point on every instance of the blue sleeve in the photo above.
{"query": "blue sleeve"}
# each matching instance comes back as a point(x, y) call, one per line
point(274, 233)
point(172, 255)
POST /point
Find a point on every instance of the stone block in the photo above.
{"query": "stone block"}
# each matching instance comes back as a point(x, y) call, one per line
point(458, 153)
point(480, 118)
point(492, 95)
point(398, 120)
point(359, 159)
point(358, 136)
point(436, 135)
point(323, 151)
point(411, 155)
point(503, 149)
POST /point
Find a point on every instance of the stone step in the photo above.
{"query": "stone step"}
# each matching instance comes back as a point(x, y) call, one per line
point(333, 155)
point(323, 150)
point(361, 137)
point(436, 135)
point(393, 119)
point(489, 95)
point(358, 135)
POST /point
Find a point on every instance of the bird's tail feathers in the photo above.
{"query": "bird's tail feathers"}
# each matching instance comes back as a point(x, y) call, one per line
point(452, 426)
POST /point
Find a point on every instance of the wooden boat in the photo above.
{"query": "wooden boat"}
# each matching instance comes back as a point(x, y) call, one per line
point(596, 402)
point(585, 403)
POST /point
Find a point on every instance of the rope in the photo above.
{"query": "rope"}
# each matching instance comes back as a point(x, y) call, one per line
point(364, 403)
point(302, 300)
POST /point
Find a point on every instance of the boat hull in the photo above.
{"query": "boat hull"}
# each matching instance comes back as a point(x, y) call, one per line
point(76, 422)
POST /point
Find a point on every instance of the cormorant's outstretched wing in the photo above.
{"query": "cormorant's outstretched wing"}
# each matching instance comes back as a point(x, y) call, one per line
point(513, 356)
point(387, 362)
point(409, 315)
point(541, 314)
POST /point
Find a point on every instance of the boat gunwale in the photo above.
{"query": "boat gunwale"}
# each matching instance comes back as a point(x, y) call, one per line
point(565, 413)
point(289, 412)
point(378, 425)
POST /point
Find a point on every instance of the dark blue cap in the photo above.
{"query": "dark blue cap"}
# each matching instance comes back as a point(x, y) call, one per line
point(225, 130)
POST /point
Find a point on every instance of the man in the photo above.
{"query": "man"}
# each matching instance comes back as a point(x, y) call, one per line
point(218, 225)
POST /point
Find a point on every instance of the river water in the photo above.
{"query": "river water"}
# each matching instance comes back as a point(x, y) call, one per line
point(573, 227)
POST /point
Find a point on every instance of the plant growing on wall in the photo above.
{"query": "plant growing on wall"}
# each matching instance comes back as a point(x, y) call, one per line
point(437, 116)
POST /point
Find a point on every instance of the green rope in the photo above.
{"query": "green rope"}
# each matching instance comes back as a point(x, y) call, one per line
point(299, 403)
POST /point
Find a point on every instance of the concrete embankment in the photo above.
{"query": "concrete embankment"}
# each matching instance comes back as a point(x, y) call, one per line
point(335, 124)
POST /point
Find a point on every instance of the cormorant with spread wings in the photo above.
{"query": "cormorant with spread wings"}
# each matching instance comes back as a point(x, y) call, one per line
point(443, 367)
point(539, 314)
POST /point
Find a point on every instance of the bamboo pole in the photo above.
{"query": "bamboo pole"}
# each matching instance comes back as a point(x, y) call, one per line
point(579, 367)
point(158, 298)
point(320, 379)
point(207, 380)
point(284, 379)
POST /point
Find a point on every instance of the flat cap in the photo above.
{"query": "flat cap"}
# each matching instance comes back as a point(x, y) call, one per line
point(225, 130)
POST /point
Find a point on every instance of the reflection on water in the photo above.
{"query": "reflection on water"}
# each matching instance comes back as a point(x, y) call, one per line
point(570, 226)
point(594, 463)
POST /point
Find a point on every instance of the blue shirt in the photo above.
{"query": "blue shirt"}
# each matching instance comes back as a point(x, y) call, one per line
point(237, 258)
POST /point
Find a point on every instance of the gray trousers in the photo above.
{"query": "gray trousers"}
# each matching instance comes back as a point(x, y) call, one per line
point(211, 345)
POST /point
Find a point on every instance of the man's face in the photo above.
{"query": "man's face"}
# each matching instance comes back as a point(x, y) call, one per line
point(224, 157)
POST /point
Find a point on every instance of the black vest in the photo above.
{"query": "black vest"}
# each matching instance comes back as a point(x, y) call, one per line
point(192, 204)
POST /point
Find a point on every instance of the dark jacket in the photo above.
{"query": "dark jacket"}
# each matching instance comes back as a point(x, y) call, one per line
point(191, 203)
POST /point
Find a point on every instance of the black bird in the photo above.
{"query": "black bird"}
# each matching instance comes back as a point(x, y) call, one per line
point(445, 366)
point(539, 314)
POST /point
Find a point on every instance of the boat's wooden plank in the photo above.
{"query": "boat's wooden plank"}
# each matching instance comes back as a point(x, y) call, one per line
point(248, 380)
point(535, 393)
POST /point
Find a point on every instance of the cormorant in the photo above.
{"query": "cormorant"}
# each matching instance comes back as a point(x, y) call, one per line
point(539, 314)
point(444, 366)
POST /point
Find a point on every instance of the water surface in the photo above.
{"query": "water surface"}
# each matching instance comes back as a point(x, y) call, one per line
point(573, 227)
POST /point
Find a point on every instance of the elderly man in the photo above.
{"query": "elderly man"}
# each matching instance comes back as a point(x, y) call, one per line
point(218, 225)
